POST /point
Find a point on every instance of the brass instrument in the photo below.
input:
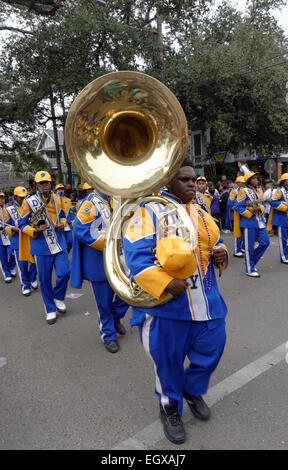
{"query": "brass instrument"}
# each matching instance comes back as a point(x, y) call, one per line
point(253, 203)
point(126, 135)
point(39, 217)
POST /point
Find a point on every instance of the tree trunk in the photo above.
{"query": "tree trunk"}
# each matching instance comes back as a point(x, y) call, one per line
point(67, 161)
point(59, 177)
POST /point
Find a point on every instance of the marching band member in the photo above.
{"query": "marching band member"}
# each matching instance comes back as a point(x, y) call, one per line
point(89, 228)
point(192, 323)
point(86, 190)
point(249, 206)
point(48, 244)
point(238, 241)
point(279, 216)
point(202, 198)
point(7, 261)
point(27, 270)
point(60, 189)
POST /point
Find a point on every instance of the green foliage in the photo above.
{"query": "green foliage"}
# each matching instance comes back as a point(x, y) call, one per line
point(29, 162)
point(227, 69)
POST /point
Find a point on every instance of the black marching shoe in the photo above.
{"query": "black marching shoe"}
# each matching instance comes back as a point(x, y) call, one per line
point(172, 423)
point(197, 406)
point(120, 328)
point(111, 346)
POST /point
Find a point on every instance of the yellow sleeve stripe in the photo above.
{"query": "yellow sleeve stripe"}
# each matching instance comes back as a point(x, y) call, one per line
point(224, 266)
point(87, 212)
point(153, 280)
point(282, 208)
point(276, 195)
point(98, 244)
point(30, 231)
point(247, 214)
point(9, 231)
point(25, 209)
point(262, 208)
point(141, 225)
point(241, 196)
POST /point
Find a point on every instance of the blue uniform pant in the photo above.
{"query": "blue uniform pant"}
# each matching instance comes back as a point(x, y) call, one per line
point(7, 261)
point(110, 309)
point(27, 271)
point(282, 239)
point(45, 265)
point(252, 254)
point(168, 342)
point(238, 245)
point(69, 240)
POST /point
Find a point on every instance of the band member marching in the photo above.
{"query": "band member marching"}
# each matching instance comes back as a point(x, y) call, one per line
point(249, 208)
point(279, 216)
point(192, 323)
point(87, 264)
point(202, 197)
point(60, 189)
point(26, 269)
point(86, 190)
point(7, 260)
point(48, 244)
point(238, 241)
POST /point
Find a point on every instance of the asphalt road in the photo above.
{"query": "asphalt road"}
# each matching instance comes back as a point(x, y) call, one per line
point(61, 389)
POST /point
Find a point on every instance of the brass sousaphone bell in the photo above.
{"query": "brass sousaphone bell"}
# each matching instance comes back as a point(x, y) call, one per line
point(126, 134)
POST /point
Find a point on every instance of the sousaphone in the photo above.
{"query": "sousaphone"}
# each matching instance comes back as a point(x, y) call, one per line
point(126, 135)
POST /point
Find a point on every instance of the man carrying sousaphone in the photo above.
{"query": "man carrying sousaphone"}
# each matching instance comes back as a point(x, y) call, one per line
point(192, 322)
point(43, 220)
point(248, 217)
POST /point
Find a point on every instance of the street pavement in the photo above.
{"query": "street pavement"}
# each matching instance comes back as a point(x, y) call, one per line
point(61, 389)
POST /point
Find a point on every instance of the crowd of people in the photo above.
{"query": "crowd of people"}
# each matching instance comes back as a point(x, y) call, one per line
point(42, 226)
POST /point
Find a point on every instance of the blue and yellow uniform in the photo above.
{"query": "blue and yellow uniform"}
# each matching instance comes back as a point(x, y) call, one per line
point(203, 200)
point(26, 269)
point(48, 248)
point(279, 217)
point(89, 229)
point(238, 241)
point(7, 261)
point(69, 214)
point(191, 324)
point(253, 226)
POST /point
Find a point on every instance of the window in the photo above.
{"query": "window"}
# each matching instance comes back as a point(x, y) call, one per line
point(197, 145)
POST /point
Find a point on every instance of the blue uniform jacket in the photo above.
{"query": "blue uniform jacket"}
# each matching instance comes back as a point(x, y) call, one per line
point(202, 300)
point(89, 226)
point(14, 218)
point(279, 203)
point(247, 220)
point(230, 204)
point(51, 241)
point(5, 232)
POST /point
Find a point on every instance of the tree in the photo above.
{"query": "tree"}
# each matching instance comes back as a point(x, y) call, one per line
point(28, 163)
point(40, 7)
point(224, 68)
point(85, 41)
point(232, 81)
